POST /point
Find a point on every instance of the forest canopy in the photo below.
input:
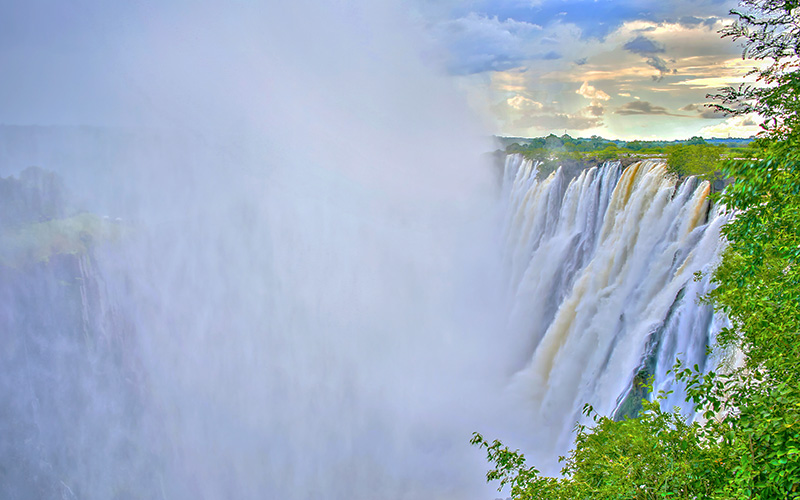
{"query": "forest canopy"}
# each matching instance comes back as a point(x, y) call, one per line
point(694, 156)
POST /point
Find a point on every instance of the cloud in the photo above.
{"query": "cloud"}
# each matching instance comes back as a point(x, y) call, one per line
point(703, 111)
point(507, 82)
point(477, 43)
point(523, 103)
point(649, 48)
point(525, 113)
point(643, 45)
point(597, 97)
point(732, 78)
point(590, 92)
point(694, 21)
point(735, 126)
point(596, 19)
point(595, 110)
point(560, 121)
point(643, 108)
point(669, 42)
point(690, 20)
point(660, 65)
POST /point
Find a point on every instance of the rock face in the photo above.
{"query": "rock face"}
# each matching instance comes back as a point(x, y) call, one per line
point(69, 379)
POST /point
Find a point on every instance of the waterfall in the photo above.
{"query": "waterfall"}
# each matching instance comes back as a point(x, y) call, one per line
point(600, 289)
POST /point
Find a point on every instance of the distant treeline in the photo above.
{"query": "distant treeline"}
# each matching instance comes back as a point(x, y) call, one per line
point(695, 156)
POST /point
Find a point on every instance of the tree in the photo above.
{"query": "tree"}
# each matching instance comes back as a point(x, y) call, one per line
point(771, 33)
point(698, 159)
point(696, 140)
point(610, 152)
point(554, 143)
point(758, 278)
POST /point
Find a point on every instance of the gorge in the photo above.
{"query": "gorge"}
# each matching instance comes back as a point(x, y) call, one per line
point(290, 339)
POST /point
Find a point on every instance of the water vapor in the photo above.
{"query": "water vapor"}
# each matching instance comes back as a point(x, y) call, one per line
point(298, 290)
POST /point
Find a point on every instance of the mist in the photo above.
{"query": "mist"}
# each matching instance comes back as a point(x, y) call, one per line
point(306, 293)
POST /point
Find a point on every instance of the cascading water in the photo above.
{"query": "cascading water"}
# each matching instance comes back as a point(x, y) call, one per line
point(600, 288)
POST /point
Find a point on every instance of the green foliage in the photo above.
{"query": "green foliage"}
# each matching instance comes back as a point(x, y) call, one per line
point(610, 152)
point(759, 279)
point(746, 446)
point(753, 419)
point(747, 443)
point(689, 155)
point(657, 455)
point(37, 242)
point(697, 159)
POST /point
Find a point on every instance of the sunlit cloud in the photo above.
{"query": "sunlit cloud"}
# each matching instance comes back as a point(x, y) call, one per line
point(524, 104)
point(509, 81)
point(560, 121)
point(716, 82)
point(650, 59)
point(735, 126)
point(590, 92)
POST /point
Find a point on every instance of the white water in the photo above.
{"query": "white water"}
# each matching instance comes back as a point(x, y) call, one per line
point(594, 267)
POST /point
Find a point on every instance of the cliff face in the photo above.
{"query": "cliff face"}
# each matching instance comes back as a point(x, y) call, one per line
point(69, 382)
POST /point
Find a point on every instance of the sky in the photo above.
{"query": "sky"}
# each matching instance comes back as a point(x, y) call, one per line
point(623, 69)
